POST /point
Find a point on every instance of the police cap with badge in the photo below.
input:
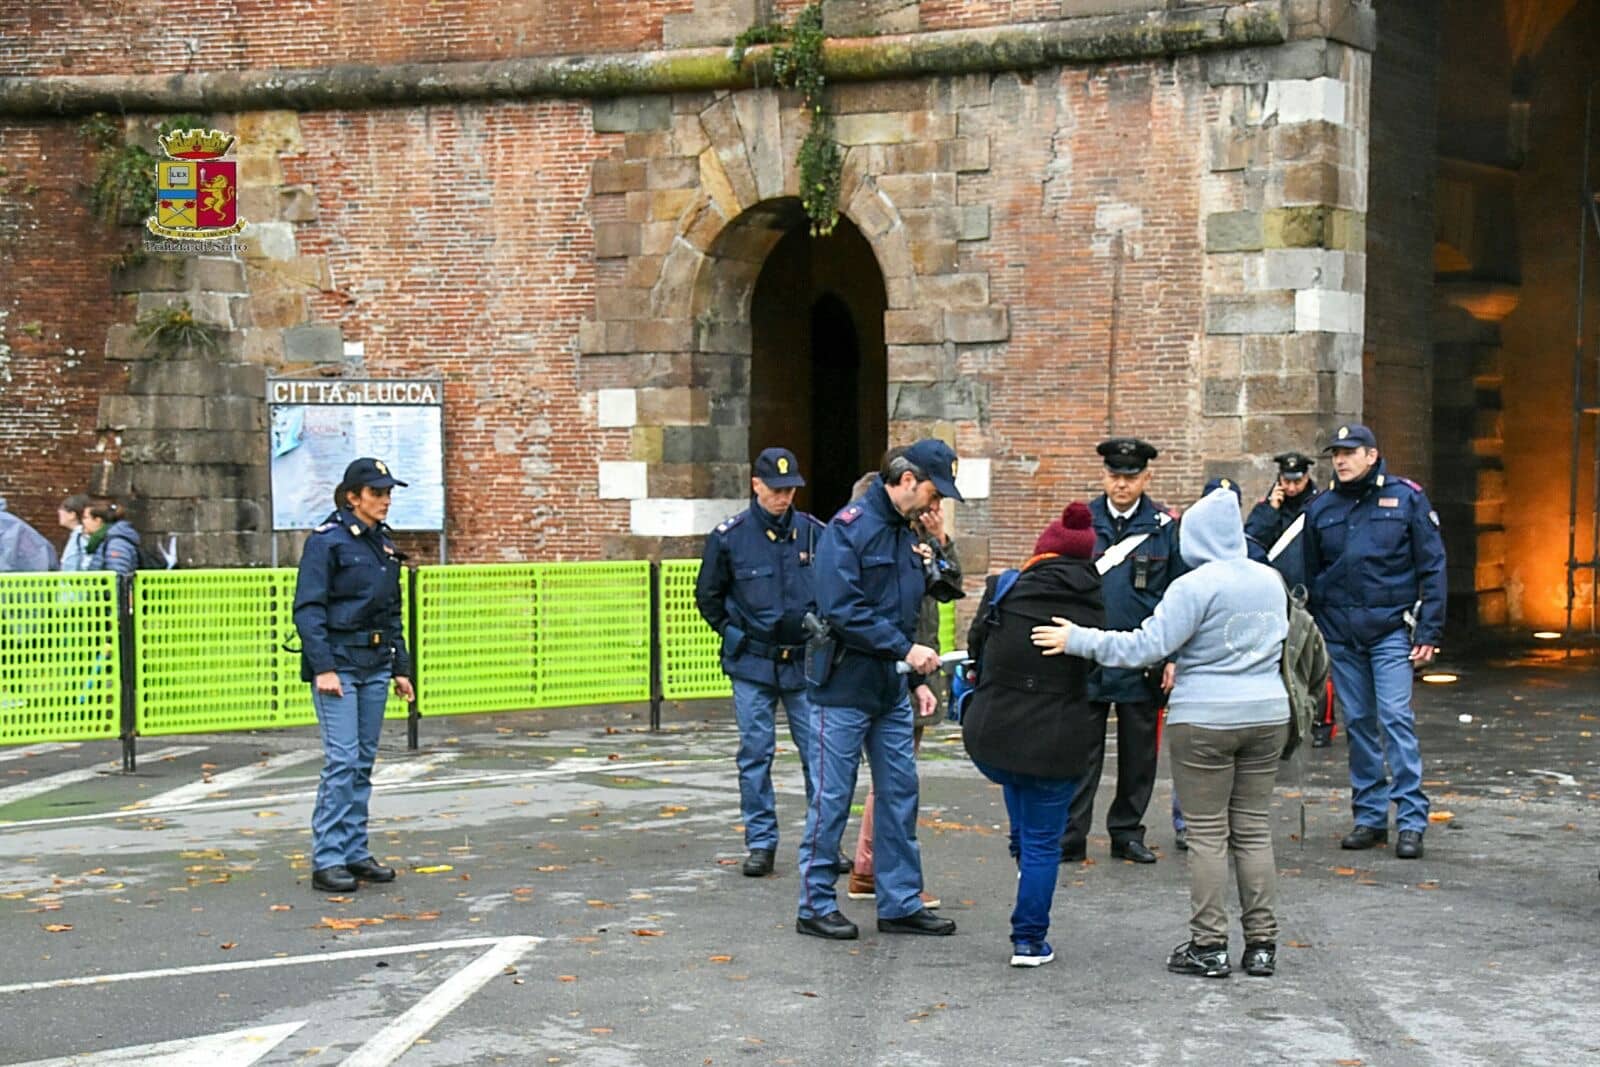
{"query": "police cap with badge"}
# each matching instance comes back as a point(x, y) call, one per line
point(1126, 455)
point(778, 468)
point(1293, 465)
point(936, 461)
point(1351, 435)
point(370, 472)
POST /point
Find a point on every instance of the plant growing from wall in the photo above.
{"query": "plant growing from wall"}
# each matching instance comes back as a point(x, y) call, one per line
point(797, 64)
point(123, 189)
point(168, 331)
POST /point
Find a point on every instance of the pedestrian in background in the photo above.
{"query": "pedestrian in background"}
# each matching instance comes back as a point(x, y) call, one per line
point(69, 515)
point(347, 611)
point(1224, 621)
point(1028, 725)
point(22, 548)
point(113, 543)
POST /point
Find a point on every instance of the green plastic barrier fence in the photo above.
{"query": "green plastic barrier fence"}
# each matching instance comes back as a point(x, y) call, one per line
point(210, 655)
point(690, 665)
point(947, 627)
point(507, 637)
point(60, 658)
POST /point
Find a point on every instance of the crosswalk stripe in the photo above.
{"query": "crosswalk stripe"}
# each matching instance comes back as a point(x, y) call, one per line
point(221, 783)
point(36, 750)
point(50, 782)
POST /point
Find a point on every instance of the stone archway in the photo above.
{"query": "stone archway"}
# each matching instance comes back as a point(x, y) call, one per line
point(689, 207)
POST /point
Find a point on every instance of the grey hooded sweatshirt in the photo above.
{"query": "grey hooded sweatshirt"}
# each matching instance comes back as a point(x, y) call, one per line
point(1223, 623)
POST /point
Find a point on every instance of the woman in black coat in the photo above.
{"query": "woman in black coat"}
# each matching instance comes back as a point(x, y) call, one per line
point(1028, 726)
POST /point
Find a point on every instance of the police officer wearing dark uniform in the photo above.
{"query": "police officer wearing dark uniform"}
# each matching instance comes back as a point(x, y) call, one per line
point(757, 581)
point(1275, 535)
point(347, 610)
point(1377, 571)
point(870, 585)
point(1276, 524)
point(1136, 552)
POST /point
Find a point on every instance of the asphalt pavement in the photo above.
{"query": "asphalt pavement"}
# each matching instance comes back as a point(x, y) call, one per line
point(570, 893)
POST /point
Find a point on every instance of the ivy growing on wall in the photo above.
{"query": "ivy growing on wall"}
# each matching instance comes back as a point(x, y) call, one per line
point(123, 189)
point(797, 65)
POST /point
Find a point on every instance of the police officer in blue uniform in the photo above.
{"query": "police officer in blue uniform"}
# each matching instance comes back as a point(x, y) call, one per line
point(1274, 530)
point(1275, 535)
point(1376, 562)
point(870, 584)
point(1136, 552)
point(347, 610)
point(757, 582)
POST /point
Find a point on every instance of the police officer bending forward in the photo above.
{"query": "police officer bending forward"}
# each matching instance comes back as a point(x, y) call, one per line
point(347, 610)
point(869, 587)
point(755, 587)
point(1373, 553)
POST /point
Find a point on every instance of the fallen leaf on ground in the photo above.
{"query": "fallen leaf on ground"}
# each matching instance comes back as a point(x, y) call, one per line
point(340, 900)
point(281, 907)
point(669, 810)
point(1441, 816)
point(348, 924)
point(58, 928)
point(1344, 872)
point(600, 1029)
point(566, 978)
point(269, 814)
point(226, 945)
point(807, 993)
point(437, 868)
point(642, 932)
point(720, 959)
point(1297, 944)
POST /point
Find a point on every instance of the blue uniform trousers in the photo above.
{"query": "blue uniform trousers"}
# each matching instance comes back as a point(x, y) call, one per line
point(840, 734)
point(1038, 810)
point(350, 725)
point(1374, 685)
point(755, 707)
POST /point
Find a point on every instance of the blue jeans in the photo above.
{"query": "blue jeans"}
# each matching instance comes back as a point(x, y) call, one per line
point(350, 725)
point(1038, 809)
point(1374, 685)
point(755, 708)
point(840, 734)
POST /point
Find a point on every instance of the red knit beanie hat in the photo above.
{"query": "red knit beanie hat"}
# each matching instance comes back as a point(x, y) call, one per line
point(1071, 535)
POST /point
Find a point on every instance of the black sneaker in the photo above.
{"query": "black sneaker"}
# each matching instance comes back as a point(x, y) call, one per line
point(1204, 961)
point(1260, 960)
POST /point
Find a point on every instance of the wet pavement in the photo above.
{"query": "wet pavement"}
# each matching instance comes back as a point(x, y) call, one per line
point(571, 894)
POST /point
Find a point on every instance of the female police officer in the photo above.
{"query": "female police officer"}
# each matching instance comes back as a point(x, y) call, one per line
point(347, 609)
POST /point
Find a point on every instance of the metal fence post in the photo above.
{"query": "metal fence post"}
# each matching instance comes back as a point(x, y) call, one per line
point(414, 711)
point(129, 687)
point(657, 661)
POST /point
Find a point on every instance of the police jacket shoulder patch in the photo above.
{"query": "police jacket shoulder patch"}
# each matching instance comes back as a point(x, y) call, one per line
point(1410, 483)
point(731, 521)
point(848, 514)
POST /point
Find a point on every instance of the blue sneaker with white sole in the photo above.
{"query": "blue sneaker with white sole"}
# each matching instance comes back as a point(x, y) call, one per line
point(1031, 953)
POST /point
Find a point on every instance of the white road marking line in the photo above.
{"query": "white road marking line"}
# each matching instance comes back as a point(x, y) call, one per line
point(36, 750)
point(188, 794)
point(393, 1041)
point(391, 772)
point(51, 782)
point(252, 965)
point(234, 803)
point(235, 1048)
point(1561, 779)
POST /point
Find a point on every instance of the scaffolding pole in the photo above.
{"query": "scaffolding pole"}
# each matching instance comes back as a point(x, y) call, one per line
point(1588, 216)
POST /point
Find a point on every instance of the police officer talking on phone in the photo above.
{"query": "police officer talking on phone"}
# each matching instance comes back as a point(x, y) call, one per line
point(757, 582)
point(347, 611)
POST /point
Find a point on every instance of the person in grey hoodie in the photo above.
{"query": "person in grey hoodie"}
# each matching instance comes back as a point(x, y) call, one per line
point(1223, 623)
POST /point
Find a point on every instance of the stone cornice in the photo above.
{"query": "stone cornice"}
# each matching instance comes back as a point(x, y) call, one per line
point(948, 52)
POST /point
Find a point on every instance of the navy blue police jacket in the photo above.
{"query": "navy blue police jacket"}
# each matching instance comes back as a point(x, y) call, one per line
point(1267, 523)
point(347, 598)
point(1374, 549)
point(757, 581)
point(869, 588)
point(1133, 587)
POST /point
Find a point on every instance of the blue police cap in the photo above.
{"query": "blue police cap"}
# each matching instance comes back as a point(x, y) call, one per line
point(1224, 483)
point(1351, 435)
point(1127, 455)
point(372, 473)
point(778, 468)
point(1293, 464)
point(937, 462)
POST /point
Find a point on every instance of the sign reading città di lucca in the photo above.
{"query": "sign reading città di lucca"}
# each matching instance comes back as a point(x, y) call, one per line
point(393, 391)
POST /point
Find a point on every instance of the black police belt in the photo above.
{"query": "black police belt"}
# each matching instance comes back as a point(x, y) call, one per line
point(358, 638)
point(778, 653)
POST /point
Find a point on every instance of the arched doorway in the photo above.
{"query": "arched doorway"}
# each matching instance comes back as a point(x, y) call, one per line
point(819, 368)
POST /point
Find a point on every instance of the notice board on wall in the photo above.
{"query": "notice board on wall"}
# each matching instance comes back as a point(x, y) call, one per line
point(318, 425)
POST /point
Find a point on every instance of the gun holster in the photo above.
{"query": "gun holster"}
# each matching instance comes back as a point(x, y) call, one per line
point(822, 650)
